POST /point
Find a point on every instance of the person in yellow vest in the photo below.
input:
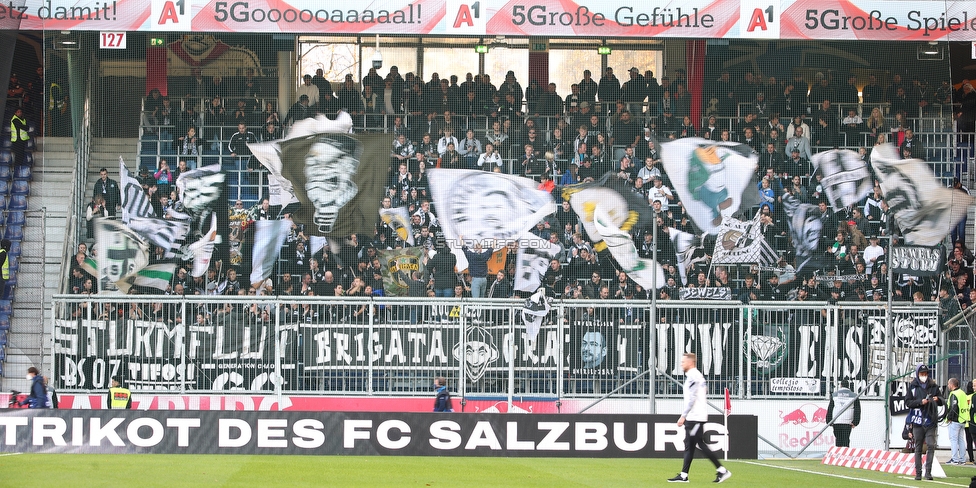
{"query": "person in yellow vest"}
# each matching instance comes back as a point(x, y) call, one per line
point(18, 136)
point(118, 398)
point(958, 419)
point(4, 266)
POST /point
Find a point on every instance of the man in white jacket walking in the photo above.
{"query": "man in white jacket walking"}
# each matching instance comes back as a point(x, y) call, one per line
point(693, 419)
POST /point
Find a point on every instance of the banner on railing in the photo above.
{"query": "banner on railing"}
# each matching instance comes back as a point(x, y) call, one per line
point(334, 346)
point(364, 433)
point(786, 19)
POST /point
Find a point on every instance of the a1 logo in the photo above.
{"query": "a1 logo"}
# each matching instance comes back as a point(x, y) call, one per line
point(466, 17)
point(170, 15)
point(759, 19)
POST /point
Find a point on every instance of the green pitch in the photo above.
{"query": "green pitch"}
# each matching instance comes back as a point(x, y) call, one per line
point(401, 472)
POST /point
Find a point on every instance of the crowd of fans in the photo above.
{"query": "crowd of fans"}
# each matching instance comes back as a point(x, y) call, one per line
point(598, 127)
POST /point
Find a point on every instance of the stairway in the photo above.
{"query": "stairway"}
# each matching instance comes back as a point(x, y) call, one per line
point(40, 261)
point(41, 267)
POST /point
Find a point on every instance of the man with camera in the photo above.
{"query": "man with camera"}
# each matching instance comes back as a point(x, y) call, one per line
point(924, 399)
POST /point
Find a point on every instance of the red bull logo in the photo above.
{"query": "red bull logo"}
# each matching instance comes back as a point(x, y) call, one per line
point(795, 417)
point(820, 416)
point(802, 427)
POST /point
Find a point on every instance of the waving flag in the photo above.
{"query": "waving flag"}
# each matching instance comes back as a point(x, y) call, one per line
point(135, 201)
point(480, 205)
point(202, 250)
point(532, 261)
point(154, 276)
point(163, 233)
point(201, 187)
point(269, 236)
point(742, 242)
point(534, 312)
point(710, 178)
point(398, 220)
point(337, 177)
point(805, 227)
point(684, 245)
point(121, 252)
point(925, 210)
point(846, 179)
point(645, 272)
point(624, 208)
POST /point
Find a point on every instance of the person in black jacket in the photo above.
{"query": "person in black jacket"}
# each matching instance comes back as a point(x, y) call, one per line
point(924, 399)
point(442, 402)
point(441, 268)
point(108, 189)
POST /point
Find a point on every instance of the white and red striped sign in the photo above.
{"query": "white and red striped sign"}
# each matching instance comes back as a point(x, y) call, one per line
point(878, 460)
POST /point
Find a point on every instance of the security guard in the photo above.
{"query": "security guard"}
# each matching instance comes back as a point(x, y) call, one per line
point(4, 265)
point(18, 136)
point(845, 419)
point(118, 397)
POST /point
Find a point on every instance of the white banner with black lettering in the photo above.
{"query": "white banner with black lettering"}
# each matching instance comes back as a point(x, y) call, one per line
point(916, 260)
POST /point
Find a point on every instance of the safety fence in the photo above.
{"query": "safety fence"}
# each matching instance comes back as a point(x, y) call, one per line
point(395, 347)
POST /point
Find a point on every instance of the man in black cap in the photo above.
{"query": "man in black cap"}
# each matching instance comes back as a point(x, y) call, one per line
point(924, 400)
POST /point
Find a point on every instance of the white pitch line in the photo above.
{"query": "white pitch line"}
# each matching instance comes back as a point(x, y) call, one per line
point(10, 454)
point(933, 481)
point(885, 483)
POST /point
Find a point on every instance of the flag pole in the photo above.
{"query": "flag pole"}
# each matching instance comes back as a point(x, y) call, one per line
point(726, 410)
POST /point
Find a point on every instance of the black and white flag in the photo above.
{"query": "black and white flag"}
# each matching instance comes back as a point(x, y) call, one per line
point(846, 179)
point(200, 188)
point(487, 206)
point(805, 226)
point(163, 233)
point(916, 260)
point(625, 209)
point(534, 312)
point(925, 210)
point(684, 244)
point(135, 201)
point(203, 249)
point(532, 261)
point(742, 242)
point(338, 178)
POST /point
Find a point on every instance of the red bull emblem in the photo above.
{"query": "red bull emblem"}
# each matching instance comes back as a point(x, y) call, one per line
point(795, 417)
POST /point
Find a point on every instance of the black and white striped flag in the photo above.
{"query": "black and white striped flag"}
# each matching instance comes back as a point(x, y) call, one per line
point(164, 233)
point(135, 201)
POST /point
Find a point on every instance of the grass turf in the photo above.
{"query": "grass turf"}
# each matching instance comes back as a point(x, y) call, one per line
point(400, 472)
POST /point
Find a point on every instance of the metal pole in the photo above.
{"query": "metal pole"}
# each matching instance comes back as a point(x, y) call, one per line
point(888, 329)
point(511, 357)
point(278, 352)
point(369, 369)
point(652, 344)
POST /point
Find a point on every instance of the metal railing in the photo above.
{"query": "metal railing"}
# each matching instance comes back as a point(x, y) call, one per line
point(393, 347)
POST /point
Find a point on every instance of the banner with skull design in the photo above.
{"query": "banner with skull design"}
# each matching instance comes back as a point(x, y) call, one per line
point(337, 177)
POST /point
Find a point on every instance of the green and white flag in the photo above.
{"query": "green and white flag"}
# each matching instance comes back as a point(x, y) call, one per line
point(155, 276)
